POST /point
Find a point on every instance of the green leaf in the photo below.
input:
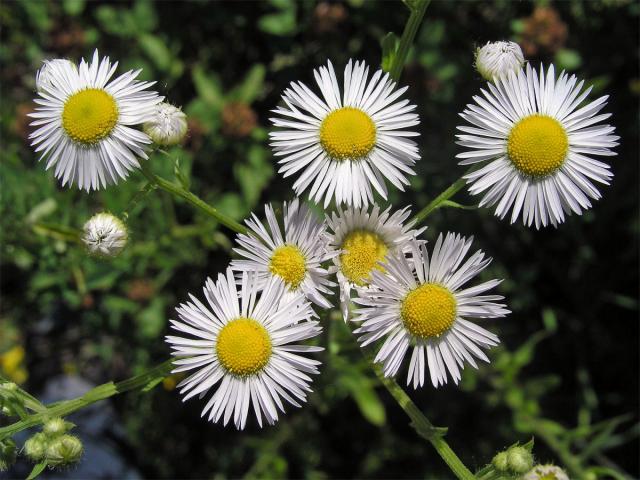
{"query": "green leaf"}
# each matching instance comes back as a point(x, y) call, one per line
point(152, 319)
point(549, 319)
point(42, 209)
point(73, 7)
point(152, 383)
point(365, 396)
point(568, 59)
point(251, 86)
point(182, 177)
point(280, 24)
point(389, 49)
point(156, 50)
point(37, 470)
point(207, 86)
point(145, 15)
point(254, 177)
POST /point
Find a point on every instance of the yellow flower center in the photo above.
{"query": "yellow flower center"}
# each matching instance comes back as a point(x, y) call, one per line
point(288, 263)
point(243, 347)
point(428, 311)
point(548, 476)
point(347, 133)
point(89, 115)
point(537, 145)
point(362, 250)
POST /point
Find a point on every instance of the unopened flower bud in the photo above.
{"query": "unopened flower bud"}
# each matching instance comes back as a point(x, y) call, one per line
point(500, 462)
point(498, 58)
point(35, 447)
point(7, 454)
point(168, 126)
point(519, 459)
point(546, 472)
point(64, 450)
point(56, 426)
point(105, 235)
point(46, 73)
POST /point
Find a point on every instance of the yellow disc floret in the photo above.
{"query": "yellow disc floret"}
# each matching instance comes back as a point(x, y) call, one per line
point(362, 250)
point(288, 263)
point(243, 347)
point(428, 311)
point(347, 133)
point(89, 115)
point(537, 145)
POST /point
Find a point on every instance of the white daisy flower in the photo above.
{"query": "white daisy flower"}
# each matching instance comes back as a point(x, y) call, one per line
point(244, 345)
point(84, 121)
point(418, 303)
point(293, 254)
point(538, 143)
point(168, 126)
point(346, 143)
point(496, 59)
point(105, 235)
point(364, 240)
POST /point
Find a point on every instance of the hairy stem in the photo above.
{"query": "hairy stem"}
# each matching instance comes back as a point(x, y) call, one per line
point(144, 381)
point(440, 200)
point(191, 198)
point(424, 427)
point(418, 8)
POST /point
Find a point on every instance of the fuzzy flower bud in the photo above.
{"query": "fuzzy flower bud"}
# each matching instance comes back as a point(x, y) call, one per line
point(500, 462)
point(56, 426)
point(35, 447)
point(45, 74)
point(64, 450)
point(105, 235)
point(7, 454)
point(498, 58)
point(168, 126)
point(519, 459)
point(546, 472)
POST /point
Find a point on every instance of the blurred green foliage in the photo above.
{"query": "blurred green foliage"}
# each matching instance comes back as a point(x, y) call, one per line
point(567, 373)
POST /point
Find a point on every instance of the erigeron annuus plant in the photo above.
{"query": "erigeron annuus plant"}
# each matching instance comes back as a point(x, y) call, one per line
point(247, 342)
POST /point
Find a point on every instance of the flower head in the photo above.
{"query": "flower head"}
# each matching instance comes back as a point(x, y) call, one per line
point(364, 239)
point(294, 254)
point(536, 143)
point(496, 59)
point(418, 302)
point(84, 121)
point(242, 345)
point(168, 126)
point(546, 472)
point(105, 235)
point(347, 142)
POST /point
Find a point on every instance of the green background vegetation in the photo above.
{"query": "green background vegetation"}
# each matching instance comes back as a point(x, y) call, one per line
point(567, 370)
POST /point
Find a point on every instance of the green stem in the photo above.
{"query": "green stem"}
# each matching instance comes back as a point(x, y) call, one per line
point(424, 427)
point(191, 198)
point(143, 381)
point(437, 202)
point(411, 28)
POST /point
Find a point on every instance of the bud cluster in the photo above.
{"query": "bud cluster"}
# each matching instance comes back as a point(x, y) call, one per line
point(54, 445)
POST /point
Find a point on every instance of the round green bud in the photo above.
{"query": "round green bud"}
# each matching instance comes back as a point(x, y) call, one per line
point(64, 450)
point(519, 459)
point(500, 462)
point(56, 426)
point(35, 447)
point(7, 454)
